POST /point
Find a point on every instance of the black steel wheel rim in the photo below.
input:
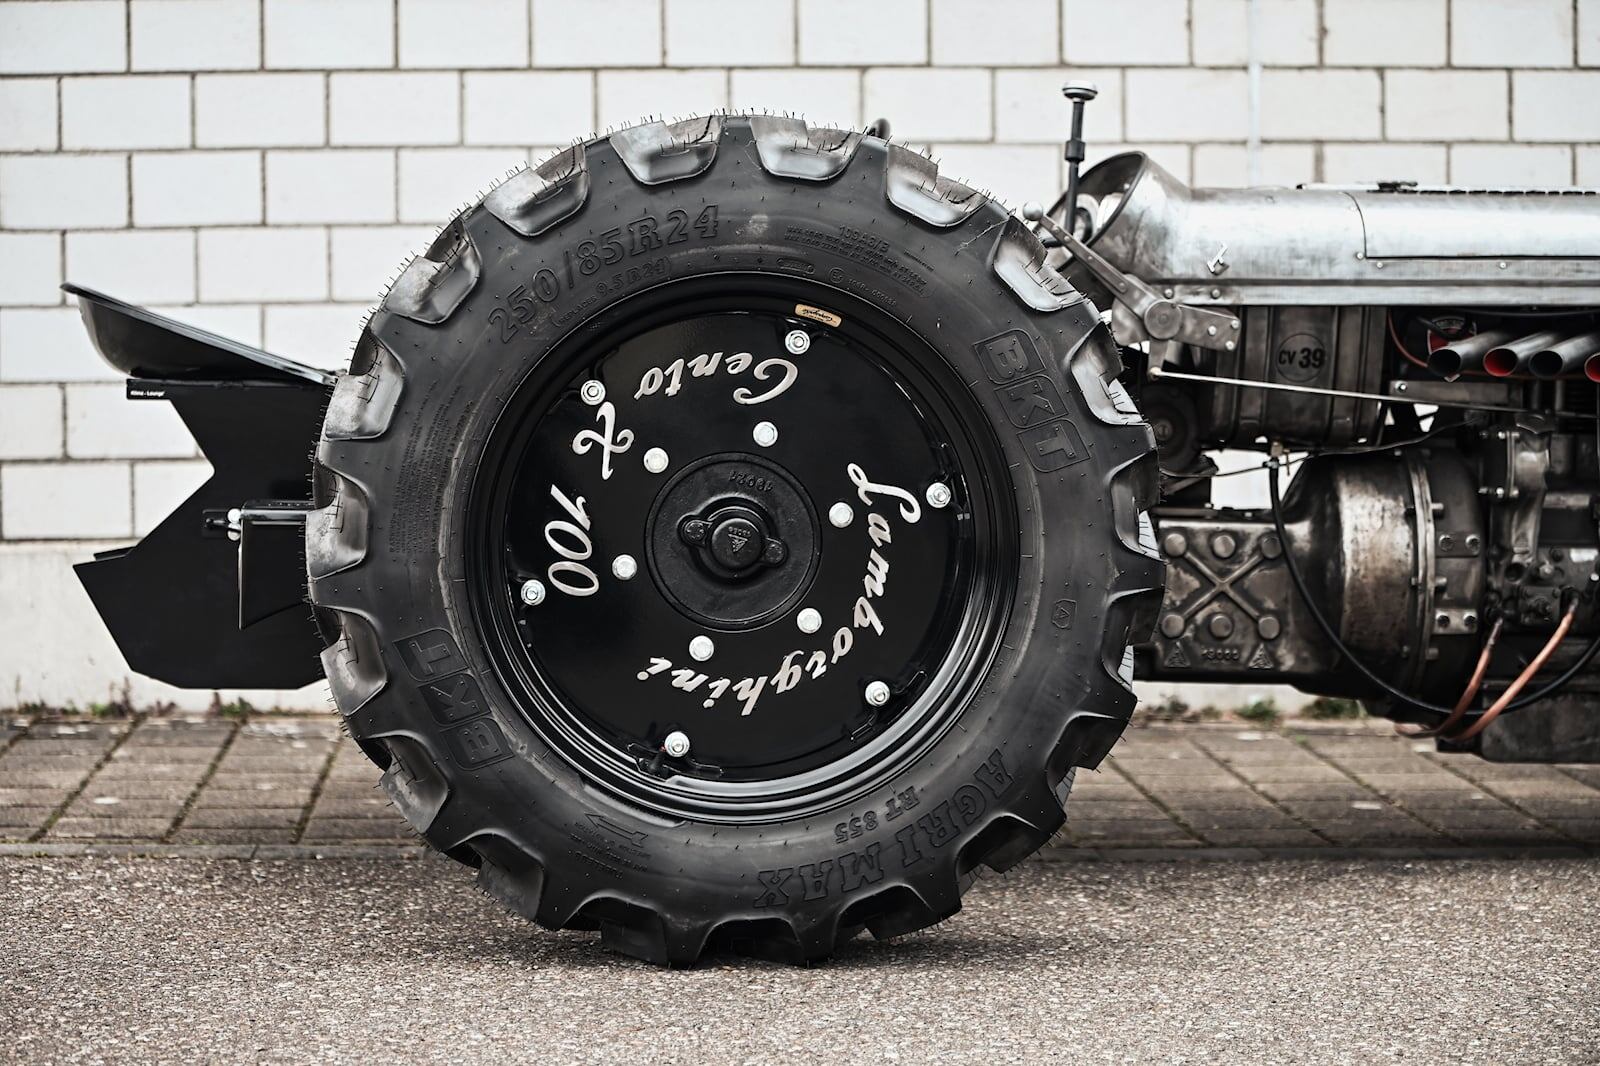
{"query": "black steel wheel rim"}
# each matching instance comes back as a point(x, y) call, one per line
point(632, 487)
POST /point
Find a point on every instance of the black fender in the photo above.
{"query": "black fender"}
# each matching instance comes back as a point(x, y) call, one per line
point(214, 596)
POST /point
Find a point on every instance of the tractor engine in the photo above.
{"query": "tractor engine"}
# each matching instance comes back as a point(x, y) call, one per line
point(1425, 361)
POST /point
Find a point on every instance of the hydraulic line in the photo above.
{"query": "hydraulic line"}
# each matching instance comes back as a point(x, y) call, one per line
point(1468, 694)
point(1523, 678)
point(1365, 671)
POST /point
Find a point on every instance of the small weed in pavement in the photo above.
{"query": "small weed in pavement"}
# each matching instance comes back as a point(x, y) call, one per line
point(1262, 712)
point(232, 708)
point(1332, 708)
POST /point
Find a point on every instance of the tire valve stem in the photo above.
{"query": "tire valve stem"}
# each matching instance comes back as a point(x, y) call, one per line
point(877, 693)
point(676, 744)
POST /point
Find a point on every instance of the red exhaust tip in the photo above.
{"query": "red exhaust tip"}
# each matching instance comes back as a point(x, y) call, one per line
point(1501, 362)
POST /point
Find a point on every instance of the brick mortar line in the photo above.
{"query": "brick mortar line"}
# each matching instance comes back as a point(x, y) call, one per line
point(50, 822)
point(1315, 754)
point(205, 779)
point(1251, 785)
point(1506, 800)
point(1139, 787)
point(304, 821)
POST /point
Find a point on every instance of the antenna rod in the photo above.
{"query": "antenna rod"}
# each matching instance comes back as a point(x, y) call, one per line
point(1080, 93)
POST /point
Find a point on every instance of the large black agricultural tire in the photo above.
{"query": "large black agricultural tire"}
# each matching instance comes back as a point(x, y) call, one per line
point(506, 297)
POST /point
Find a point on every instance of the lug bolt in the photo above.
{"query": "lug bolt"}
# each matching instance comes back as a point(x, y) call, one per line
point(765, 434)
point(623, 567)
point(676, 744)
point(841, 514)
point(938, 495)
point(655, 460)
point(532, 592)
point(809, 620)
point(798, 341)
point(701, 648)
point(593, 392)
point(877, 693)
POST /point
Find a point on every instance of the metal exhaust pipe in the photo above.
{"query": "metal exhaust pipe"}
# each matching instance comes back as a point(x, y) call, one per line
point(1467, 354)
point(1565, 357)
point(1507, 359)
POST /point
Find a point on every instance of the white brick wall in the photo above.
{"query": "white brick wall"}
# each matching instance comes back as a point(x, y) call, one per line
point(1446, 105)
point(30, 421)
point(260, 110)
point(262, 168)
point(27, 114)
point(63, 501)
point(63, 191)
point(992, 34)
point(933, 104)
point(139, 111)
point(30, 269)
point(527, 107)
point(1531, 33)
point(145, 266)
point(287, 263)
point(1385, 33)
point(395, 108)
point(1288, 30)
point(699, 33)
point(330, 185)
point(320, 34)
point(196, 188)
point(41, 36)
point(194, 35)
point(434, 33)
point(435, 182)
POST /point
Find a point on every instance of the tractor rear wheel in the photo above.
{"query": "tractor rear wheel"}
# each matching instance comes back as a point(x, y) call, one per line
point(731, 535)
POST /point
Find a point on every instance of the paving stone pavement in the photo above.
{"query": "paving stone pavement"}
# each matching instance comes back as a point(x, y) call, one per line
point(1207, 788)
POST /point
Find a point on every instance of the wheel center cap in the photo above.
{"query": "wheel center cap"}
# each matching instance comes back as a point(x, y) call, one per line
point(733, 539)
point(737, 542)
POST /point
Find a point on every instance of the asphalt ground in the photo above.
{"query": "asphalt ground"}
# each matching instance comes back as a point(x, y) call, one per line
point(203, 890)
point(400, 959)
